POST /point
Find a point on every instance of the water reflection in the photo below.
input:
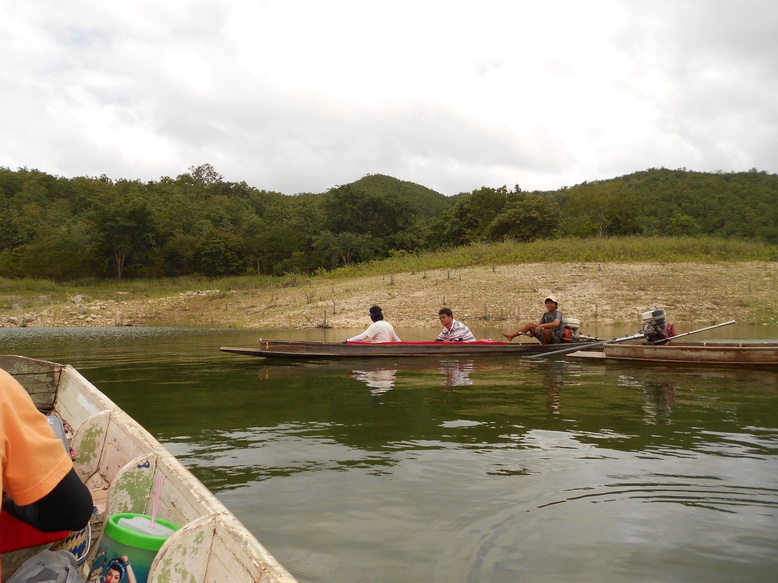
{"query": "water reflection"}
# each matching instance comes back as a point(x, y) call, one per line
point(553, 378)
point(453, 373)
point(472, 470)
point(456, 373)
point(379, 380)
point(658, 401)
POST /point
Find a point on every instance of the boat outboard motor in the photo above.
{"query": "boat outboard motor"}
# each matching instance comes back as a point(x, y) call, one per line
point(655, 327)
point(570, 330)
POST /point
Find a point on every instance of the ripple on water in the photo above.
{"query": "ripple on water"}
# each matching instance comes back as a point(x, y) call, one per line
point(621, 530)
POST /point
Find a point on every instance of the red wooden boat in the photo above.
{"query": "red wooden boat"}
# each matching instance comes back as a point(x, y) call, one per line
point(310, 350)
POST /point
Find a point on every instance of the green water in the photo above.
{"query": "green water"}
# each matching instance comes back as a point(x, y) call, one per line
point(462, 470)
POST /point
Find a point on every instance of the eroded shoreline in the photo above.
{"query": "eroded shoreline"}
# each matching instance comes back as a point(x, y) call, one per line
point(598, 293)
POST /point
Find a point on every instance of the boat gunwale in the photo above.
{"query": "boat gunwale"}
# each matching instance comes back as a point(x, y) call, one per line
point(749, 353)
point(412, 349)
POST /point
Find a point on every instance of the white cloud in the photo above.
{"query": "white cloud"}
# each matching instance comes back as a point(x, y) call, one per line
point(301, 95)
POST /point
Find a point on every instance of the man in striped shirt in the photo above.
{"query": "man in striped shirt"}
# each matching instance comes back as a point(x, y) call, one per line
point(453, 330)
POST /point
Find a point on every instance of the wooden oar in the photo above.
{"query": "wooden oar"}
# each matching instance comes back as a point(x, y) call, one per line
point(588, 345)
point(695, 332)
point(625, 338)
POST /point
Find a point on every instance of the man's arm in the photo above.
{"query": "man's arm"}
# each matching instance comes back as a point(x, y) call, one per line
point(67, 507)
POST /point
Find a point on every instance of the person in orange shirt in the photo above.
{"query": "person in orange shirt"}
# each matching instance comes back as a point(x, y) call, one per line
point(38, 481)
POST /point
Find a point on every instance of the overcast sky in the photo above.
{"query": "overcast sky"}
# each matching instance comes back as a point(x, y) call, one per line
point(303, 95)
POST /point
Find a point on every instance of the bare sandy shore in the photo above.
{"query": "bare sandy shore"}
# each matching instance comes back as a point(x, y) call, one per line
point(607, 293)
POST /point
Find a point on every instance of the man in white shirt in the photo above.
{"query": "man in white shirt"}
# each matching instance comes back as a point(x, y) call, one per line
point(379, 331)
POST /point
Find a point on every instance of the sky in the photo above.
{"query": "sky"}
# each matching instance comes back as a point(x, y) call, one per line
point(304, 95)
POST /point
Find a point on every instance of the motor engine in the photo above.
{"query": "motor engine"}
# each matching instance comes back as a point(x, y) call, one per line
point(570, 329)
point(655, 327)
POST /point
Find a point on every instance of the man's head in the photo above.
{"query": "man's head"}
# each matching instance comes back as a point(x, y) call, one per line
point(376, 313)
point(446, 317)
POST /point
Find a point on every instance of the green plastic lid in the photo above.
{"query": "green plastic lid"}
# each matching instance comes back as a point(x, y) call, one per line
point(133, 538)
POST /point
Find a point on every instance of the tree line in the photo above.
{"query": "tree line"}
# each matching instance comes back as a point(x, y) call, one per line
point(199, 224)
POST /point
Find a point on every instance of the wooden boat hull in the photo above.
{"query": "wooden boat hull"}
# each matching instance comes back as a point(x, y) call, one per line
point(120, 461)
point(718, 353)
point(328, 350)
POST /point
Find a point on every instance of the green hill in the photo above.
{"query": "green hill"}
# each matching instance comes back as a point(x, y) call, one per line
point(425, 201)
point(62, 229)
point(684, 202)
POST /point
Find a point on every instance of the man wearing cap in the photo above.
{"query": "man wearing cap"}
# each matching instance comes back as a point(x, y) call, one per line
point(549, 331)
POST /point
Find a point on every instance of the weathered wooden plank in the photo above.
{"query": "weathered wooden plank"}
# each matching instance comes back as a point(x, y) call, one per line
point(749, 354)
point(88, 443)
point(757, 354)
point(217, 546)
point(40, 378)
point(184, 556)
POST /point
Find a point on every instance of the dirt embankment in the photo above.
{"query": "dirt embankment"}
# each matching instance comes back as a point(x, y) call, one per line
point(607, 293)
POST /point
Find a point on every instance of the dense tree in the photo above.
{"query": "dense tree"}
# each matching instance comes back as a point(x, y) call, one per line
point(176, 256)
point(198, 223)
point(278, 243)
point(123, 228)
point(682, 226)
point(341, 249)
point(525, 217)
point(606, 208)
point(59, 254)
point(219, 254)
point(205, 173)
point(467, 221)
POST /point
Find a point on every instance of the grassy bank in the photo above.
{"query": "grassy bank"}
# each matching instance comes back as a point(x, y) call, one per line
point(615, 249)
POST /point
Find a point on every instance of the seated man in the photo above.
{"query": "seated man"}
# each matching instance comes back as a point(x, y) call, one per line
point(379, 331)
point(549, 330)
point(38, 481)
point(453, 330)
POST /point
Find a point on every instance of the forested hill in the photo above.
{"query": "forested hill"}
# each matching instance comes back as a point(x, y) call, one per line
point(425, 201)
point(197, 223)
point(682, 202)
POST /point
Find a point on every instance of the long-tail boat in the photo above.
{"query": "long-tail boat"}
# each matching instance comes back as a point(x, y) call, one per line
point(697, 353)
point(328, 350)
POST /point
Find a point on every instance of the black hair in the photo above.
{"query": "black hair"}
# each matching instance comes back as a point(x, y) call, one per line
point(118, 566)
point(446, 311)
point(376, 313)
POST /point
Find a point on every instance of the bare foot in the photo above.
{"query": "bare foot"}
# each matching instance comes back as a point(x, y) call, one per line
point(508, 336)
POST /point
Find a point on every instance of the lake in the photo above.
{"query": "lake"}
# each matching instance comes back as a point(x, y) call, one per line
point(483, 470)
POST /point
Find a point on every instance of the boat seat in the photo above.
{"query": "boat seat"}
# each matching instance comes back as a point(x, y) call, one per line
point(182, 497)
point(216, 545)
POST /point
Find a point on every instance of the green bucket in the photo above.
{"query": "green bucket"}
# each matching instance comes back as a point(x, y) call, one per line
point(128, 546)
